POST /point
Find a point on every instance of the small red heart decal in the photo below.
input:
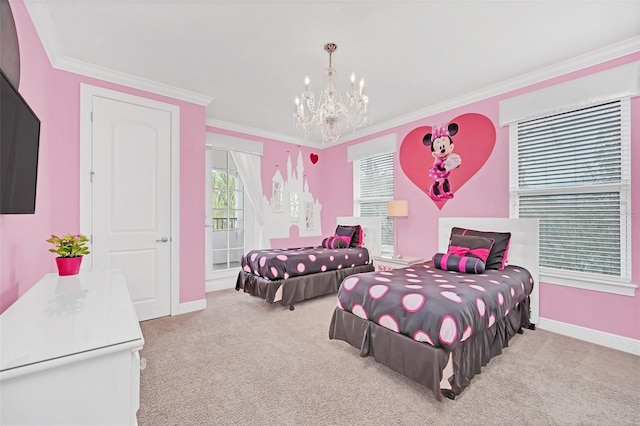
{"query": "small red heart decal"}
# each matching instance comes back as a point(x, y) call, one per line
point(314, 158)
point(473, 144)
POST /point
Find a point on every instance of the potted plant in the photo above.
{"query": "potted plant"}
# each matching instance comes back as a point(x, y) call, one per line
point(70, 249)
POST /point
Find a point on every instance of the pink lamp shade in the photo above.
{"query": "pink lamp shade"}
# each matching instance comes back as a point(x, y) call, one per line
point(398, 208)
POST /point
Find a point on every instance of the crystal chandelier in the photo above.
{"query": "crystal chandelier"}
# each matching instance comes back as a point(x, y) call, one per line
point(330, 109)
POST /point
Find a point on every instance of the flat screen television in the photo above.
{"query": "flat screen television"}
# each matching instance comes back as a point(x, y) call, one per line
point(19, 143)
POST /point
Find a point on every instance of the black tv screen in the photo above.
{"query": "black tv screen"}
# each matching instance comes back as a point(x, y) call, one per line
point(19, 142)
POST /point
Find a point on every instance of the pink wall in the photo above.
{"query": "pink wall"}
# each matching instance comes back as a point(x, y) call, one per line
point(487, 195)
point(55, 97)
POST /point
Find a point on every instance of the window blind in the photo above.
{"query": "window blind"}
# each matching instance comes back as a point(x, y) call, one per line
point(373, 187)
point(376, 176)
point(572, 172)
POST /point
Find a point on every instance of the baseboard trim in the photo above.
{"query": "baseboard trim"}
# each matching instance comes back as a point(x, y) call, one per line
point(614, 341)
point(221, 280)
point(219, 285)
point(195, 305)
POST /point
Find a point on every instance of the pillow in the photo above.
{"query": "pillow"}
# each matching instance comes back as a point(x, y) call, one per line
point(451, 262)
point(465, 245)
point(352, 231)
point(334, 242)
point(498, 255)
point(346, 239)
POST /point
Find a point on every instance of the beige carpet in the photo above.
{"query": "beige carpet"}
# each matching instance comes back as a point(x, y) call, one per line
point(245, 362)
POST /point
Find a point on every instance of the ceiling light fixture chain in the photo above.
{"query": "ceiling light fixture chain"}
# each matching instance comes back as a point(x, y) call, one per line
point(331, 108)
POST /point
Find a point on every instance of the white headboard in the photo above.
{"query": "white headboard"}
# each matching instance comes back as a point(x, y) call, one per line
point(523, 247)
point(371, 228)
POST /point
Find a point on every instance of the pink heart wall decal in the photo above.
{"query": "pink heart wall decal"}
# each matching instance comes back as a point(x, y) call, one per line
point(473, 143)
point(314, 158)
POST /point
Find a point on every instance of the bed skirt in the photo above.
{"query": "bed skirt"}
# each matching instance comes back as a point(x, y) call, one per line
point(296, 289)
point(422, 362)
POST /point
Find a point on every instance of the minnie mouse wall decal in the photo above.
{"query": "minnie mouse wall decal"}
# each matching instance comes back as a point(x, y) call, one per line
point(445, 160)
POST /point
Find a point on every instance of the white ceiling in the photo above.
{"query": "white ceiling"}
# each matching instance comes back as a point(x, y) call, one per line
point(251, 57)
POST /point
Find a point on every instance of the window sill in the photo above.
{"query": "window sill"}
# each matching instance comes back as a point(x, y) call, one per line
point(603, 285)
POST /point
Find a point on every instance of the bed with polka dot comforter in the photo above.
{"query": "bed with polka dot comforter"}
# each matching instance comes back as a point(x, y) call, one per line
point(441, 308)
point(278, 264)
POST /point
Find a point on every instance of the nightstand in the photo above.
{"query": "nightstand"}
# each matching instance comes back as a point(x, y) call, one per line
point(383, 263)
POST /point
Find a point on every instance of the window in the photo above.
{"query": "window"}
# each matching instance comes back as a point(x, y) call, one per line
point(226, 212)
point(373, 187)
point(572, 172)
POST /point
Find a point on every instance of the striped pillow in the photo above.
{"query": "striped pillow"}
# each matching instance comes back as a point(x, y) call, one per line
point(451, 262)
point(334, 242)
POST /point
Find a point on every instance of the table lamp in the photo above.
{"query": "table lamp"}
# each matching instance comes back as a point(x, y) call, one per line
point(397, 209)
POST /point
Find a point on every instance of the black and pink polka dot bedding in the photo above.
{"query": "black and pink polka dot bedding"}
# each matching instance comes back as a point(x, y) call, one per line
point(441, 308)
point(278, 264)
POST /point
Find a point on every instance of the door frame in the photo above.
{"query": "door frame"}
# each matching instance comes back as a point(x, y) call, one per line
point(87, 92)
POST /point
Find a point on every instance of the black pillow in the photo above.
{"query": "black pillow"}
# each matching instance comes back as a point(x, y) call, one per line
point(466, 245)
point(354, 232)
point(498, 255)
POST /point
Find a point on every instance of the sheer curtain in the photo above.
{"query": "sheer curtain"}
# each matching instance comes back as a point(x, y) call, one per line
point(249, 169)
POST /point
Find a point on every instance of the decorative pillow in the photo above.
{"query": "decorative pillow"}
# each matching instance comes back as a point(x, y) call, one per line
point(451, 262)
point(334, 242)
point(465, 245)
point(352, 231)
point(346, 239)
point(498, 255)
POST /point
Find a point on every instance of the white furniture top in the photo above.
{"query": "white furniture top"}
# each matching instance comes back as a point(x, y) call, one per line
point(66, 316)
point(403, 261)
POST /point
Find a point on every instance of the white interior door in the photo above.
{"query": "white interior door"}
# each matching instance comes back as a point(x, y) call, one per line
point(131, 200)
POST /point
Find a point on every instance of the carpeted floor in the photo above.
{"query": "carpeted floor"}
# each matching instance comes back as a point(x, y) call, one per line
point(242, 361)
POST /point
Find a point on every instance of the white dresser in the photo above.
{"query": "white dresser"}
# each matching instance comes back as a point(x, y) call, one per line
point(69, 353)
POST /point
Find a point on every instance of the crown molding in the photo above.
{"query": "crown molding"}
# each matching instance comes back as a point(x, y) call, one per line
point(234, 127)
point(107, 74)
point(39, 13)
point(596, 57)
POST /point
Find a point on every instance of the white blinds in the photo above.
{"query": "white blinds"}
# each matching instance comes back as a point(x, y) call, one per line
point(571, 149)
point(572, 172)
point(373, 186)
point(376, 176)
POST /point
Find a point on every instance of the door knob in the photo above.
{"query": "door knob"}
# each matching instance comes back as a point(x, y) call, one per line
point(162, 240)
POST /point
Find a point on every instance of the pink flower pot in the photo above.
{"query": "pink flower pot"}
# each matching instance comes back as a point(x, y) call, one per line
point(68, 265)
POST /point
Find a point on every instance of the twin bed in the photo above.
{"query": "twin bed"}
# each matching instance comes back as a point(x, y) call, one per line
point(440, 327)
point(435, 326)
point(289, 276)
